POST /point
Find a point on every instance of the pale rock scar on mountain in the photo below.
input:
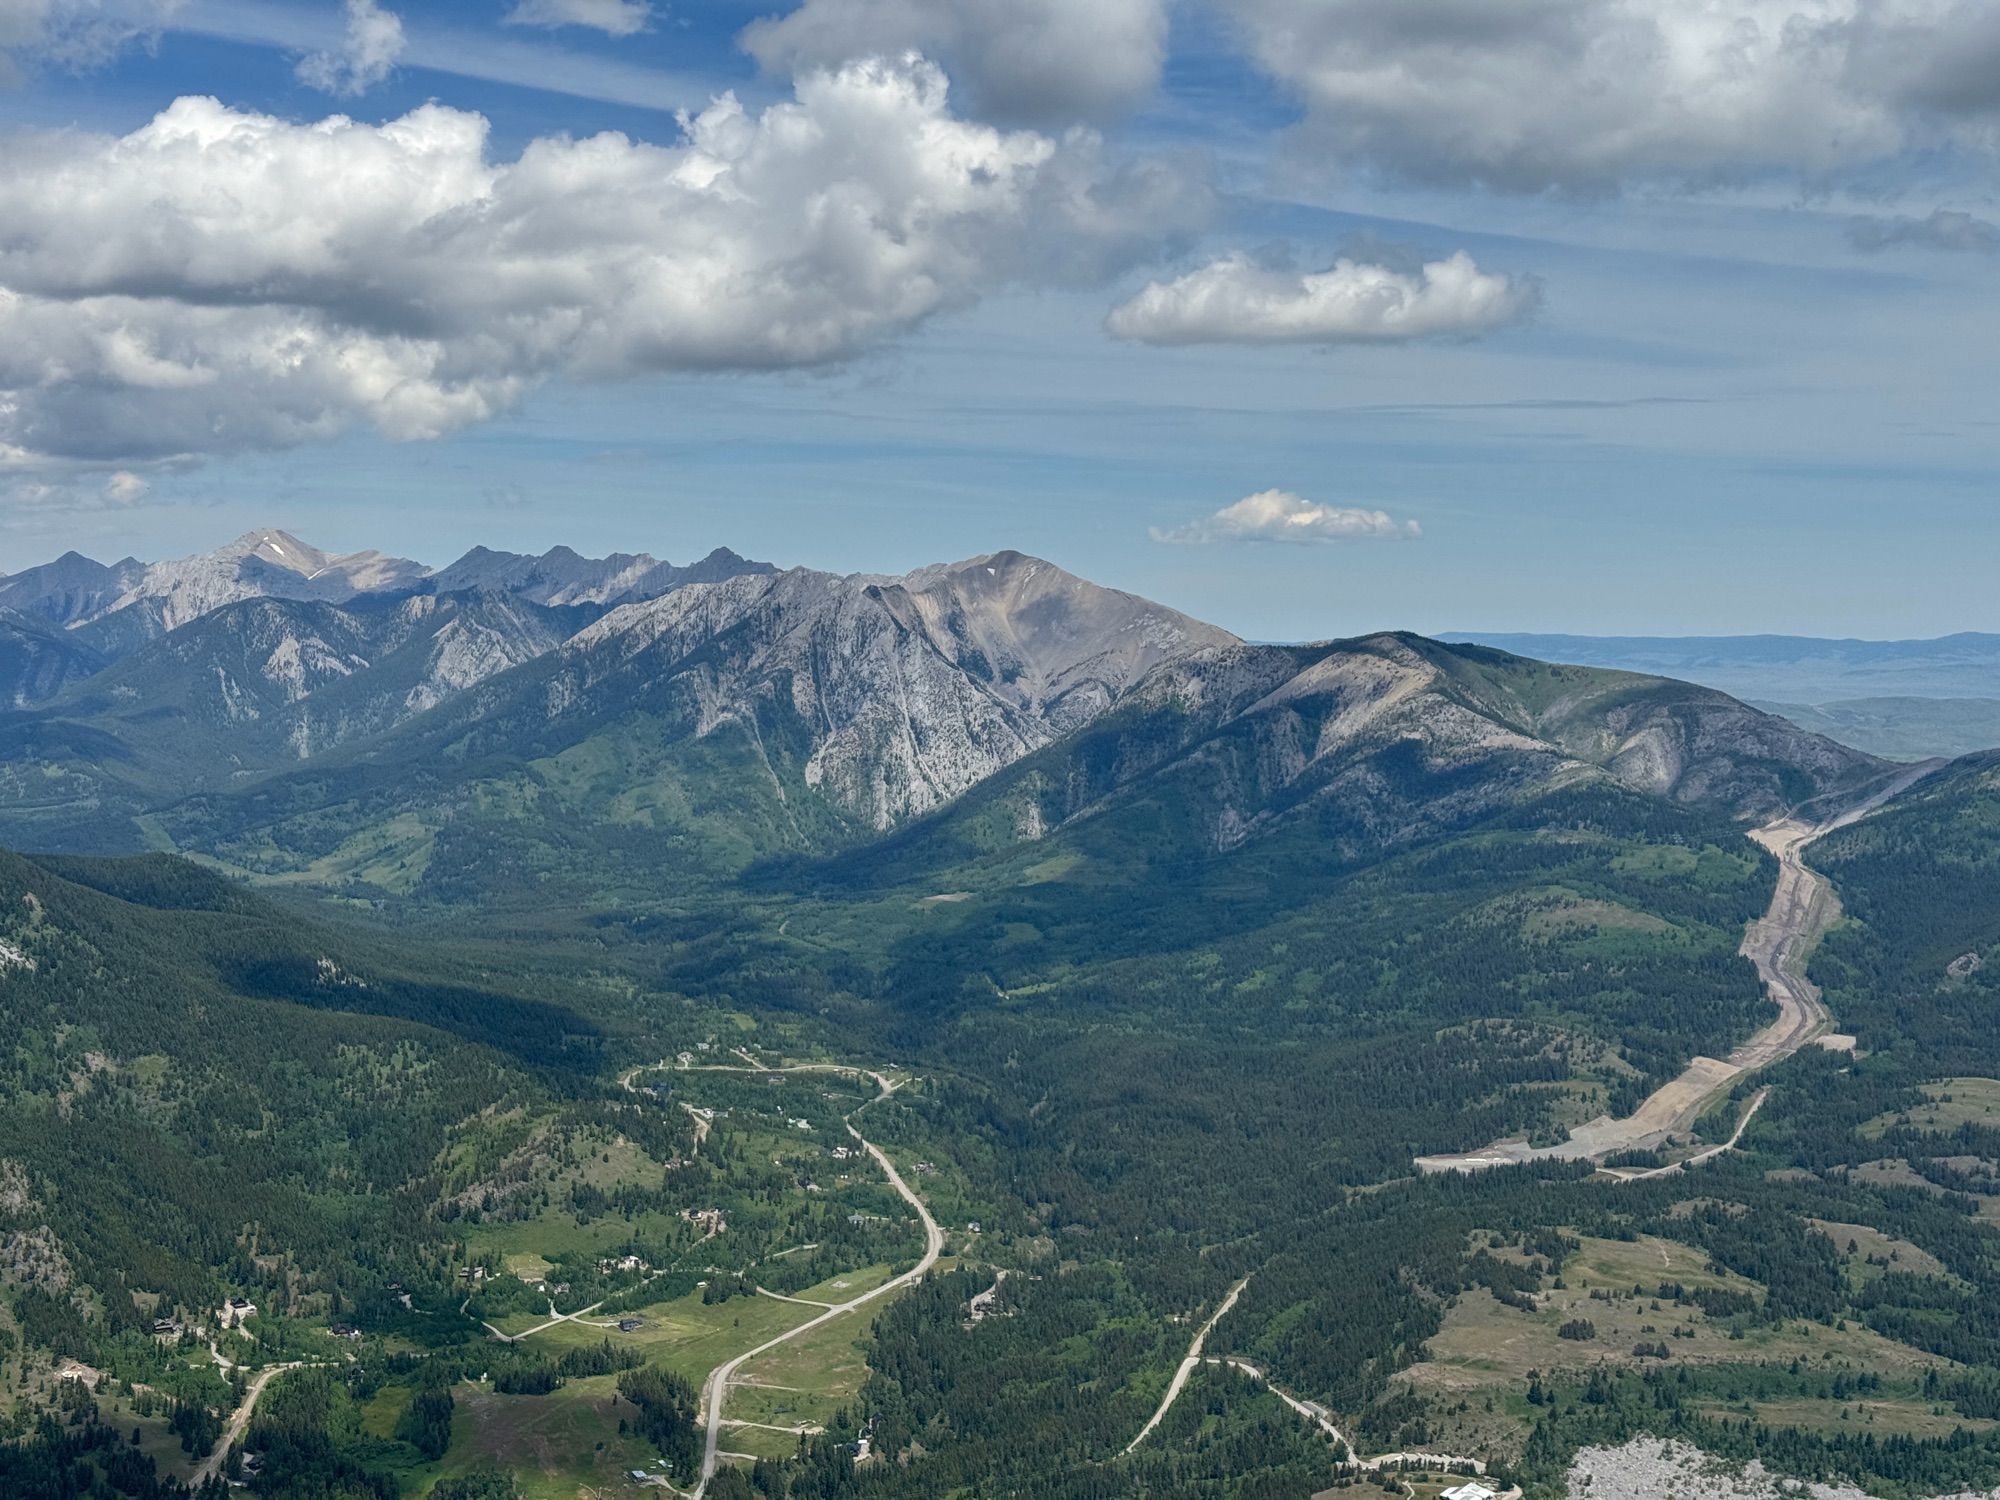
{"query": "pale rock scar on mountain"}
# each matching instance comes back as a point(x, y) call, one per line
point(914, 688)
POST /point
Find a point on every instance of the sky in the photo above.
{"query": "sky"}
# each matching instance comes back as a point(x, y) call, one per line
point(1310, 317)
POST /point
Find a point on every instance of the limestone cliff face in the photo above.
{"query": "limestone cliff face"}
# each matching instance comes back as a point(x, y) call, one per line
point(908, 690)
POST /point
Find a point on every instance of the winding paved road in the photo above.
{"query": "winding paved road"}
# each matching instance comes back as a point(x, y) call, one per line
point(715, 1390)
point(1802, 906)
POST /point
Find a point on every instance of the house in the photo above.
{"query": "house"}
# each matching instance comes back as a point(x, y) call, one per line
point(629, 1325)
point(344, 1331)
point(237, 1310)
point(637, 1476)
point(1469, 1491)
point(166, 1328)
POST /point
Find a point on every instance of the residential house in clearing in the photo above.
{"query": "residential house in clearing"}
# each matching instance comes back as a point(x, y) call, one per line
point(1469, 1491)
point(236, 1311)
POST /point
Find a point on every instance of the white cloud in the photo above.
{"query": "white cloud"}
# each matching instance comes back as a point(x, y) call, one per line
point(367, 54)
point(125, 488)
point(613, 17)
point(74, 34)
point(66, 488)
point(1588, 95)
point(1941, 229)
point(220, 280)
point(1281, 516)
point(1235, 300)
point(1030, 61)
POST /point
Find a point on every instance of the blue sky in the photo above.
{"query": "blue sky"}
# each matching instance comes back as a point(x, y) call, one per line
point(1678, 398)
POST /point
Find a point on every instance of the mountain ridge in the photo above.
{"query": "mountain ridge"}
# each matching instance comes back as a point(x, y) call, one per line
point(115, 609)
point(988, 703)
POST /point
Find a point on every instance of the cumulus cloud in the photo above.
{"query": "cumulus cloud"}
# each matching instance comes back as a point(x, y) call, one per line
point(74, 488)
point(1941, 229)
point(1588, 95)
point(366, 56)
point(1236, 301)
point(221, 280)
point(1026, 61)
point(613, 17)
point(1281, 516)
point(126, 488)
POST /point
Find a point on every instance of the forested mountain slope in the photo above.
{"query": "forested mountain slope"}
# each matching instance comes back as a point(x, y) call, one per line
point(1920, 881)
point(1344, 750)
point(802, 713)
point(719, 722)
point(182, 1062)
point(264, 683)
point(37, 660)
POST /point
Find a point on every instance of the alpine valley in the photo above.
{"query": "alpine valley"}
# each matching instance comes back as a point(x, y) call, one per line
point(552, 1026)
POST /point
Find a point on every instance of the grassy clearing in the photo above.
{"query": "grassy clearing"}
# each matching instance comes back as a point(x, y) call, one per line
point(1951, 1103)
point(555, 1233)
point(808, 1379)
point(1859, 1245)
point(759, 1442)
point(156, 1441)
point(848, 1284)
point(1486, 1346)
point(557, 1447)
point(385, 1409)
point(690, 1337)
point(1879, 1419)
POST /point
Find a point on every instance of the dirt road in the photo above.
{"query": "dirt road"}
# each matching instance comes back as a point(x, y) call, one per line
point(238, 1424)
point(1802, 907)
point(1188, 1365)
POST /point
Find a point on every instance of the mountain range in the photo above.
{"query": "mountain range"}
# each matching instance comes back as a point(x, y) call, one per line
point(362, 721)
point(113, 609)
